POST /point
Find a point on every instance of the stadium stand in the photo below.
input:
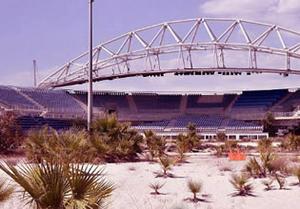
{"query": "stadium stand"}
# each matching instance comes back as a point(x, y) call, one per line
point(259, 99)
point(10, 98)
point(164, 113)
point(155, 102)
point(105, 99)
point(29, 122)
point(209, 101)
point(53, 100)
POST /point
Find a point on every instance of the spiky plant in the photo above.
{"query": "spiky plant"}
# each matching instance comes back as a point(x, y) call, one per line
point(268, 184)
point(254, 168)
point(195, 188)
point(57, 186)
point(155, 144)
point(156, 186)
point(5, 191)
point(242, 185)
point(296, 172)
point(166, 164)
point(266, 159)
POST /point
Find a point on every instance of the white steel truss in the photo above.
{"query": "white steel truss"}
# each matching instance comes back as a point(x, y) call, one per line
point(201, 46)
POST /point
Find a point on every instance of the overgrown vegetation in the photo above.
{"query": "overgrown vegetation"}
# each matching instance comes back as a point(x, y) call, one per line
point(10, 133)
point(5, 191)
point(156, 144)
point(241, 185)
point(110, 141)
point(60, 186)
point(114, 141)
point(46, 144)
point(194, 187)
point(291, 143)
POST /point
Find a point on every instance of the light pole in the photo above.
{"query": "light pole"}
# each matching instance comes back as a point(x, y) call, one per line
point(90, 74)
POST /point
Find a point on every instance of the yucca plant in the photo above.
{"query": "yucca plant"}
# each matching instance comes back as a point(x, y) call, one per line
point(268, 184)
point(242, 185)
point(254, 168)
point(155, 144)
point(57, 186)
point(166, 164)
point(156, 186)
point(195, 188)
point(5, 191)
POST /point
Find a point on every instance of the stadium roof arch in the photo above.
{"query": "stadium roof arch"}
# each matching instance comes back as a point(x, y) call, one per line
point(200, 46)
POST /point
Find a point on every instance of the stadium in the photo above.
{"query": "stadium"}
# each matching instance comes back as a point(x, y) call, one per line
point(178, 48)
point(65, 146)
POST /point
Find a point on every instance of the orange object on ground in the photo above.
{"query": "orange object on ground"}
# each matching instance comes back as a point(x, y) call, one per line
point(236, 155)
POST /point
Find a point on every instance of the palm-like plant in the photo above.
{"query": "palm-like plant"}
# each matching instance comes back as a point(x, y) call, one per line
point(57, 186)
point(242, 185)
point(166, 164)
point(48, 145)
point(115, 141)
point(195, 188)
point(5, 191)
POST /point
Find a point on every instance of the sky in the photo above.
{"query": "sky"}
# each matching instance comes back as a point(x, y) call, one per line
point(53, 32)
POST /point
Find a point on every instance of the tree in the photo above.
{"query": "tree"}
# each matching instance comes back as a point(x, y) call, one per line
point(193, 138)
point(221, 137)
point(268, 124)
point(10, 133)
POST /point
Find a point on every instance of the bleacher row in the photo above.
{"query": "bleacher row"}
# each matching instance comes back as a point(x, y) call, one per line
point(39, 100)
point(67, 102)
point(202, 122)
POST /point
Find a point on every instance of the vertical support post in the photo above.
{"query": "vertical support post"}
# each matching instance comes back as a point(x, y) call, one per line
point(90, 74)
point(34, 73)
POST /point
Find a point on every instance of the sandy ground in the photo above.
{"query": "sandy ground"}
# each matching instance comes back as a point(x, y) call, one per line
point(133, 192)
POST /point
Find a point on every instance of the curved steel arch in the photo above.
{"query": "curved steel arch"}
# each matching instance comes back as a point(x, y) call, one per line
point(201, 46)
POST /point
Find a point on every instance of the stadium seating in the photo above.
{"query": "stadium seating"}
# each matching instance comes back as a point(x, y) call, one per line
point(28, 122)
point(53, 100)
point(12, 99)
point(209, 101)
point(154, 101)
point(105, 99)
point(259, 99)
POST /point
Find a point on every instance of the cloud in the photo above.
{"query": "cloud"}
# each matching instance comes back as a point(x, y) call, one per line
point(283, 12)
